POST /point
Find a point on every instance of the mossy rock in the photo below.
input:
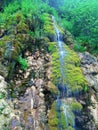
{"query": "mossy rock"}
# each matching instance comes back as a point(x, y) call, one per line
point(5, 40)
point(19, 16)
point(52, 88)
point(70, 128)
point(52, 117)
point(11, 53)
point(48, 27)
point(54, 120)
point(76, 106)
point(49, 32)
point(45, 17)
point(52, 47)
point(11, 20)
point(56, 73)
point(22, 27)
point(23, 38)
point(74, 78)
point(72, 57)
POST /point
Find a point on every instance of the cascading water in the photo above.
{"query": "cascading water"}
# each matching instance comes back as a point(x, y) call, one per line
point(61, 99)
point(61, 49)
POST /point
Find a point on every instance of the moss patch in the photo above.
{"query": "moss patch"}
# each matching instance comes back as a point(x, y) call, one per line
point(52, 118)
point(76, 106)
point(74, 78)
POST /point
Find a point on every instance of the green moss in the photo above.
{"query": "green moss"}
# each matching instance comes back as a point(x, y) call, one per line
point(74, 77)
point(72, 57)
point(52, 46)
point(49, 31)
point(73, 73)
point(11, 20)
point(48, 27)
point(56, 74)
point(76, 106)
point(63, 121)
point(61, 30)
point(23, 63)
point(52, 118)
point(70, 128)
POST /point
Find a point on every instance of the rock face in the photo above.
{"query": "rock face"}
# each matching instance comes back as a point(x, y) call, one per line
point(89, 65)
point(29, 101)
point(6, 111)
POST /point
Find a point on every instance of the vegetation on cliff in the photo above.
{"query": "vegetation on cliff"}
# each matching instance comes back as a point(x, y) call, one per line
point(28, 25)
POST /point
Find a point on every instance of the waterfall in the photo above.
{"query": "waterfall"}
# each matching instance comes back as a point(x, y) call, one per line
point(61, 99)
point(62, 52)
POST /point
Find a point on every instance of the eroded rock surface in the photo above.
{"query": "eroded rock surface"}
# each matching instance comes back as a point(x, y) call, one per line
point(29, 102)
point(89, 65)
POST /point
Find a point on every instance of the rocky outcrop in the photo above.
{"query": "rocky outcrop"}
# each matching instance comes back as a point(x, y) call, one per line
point(68, 39)
point(6, 110)
point(89, 65)
point(29, 93)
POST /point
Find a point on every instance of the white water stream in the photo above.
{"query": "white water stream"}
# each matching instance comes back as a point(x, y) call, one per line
point(69, 116)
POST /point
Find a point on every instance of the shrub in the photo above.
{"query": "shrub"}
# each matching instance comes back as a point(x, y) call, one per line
point(79, 48)
point(23, 63)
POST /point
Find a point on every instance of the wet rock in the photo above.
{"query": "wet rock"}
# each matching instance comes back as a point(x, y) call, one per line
point(87, 58)
point(31, 83)
point(27, 53)
point(14, 123)
point(47, 57)
point(41, 95)
point(30, 123)
point(37, 54)
point(90, 80)
point(96, 77)
point(96, 87)
point(48, 73)
point(5, 109)
point(89, 65)
point(26, 75)
point(39, 62)
point(36, 102)
point(95, 109)
point(39, 83)
point(34, 64)
point(29, 107)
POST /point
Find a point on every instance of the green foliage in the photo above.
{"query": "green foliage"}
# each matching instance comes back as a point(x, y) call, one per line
point(51, 46)
point(86, 88)
point(23, 63)
point(81, 18)
point(79, 48)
